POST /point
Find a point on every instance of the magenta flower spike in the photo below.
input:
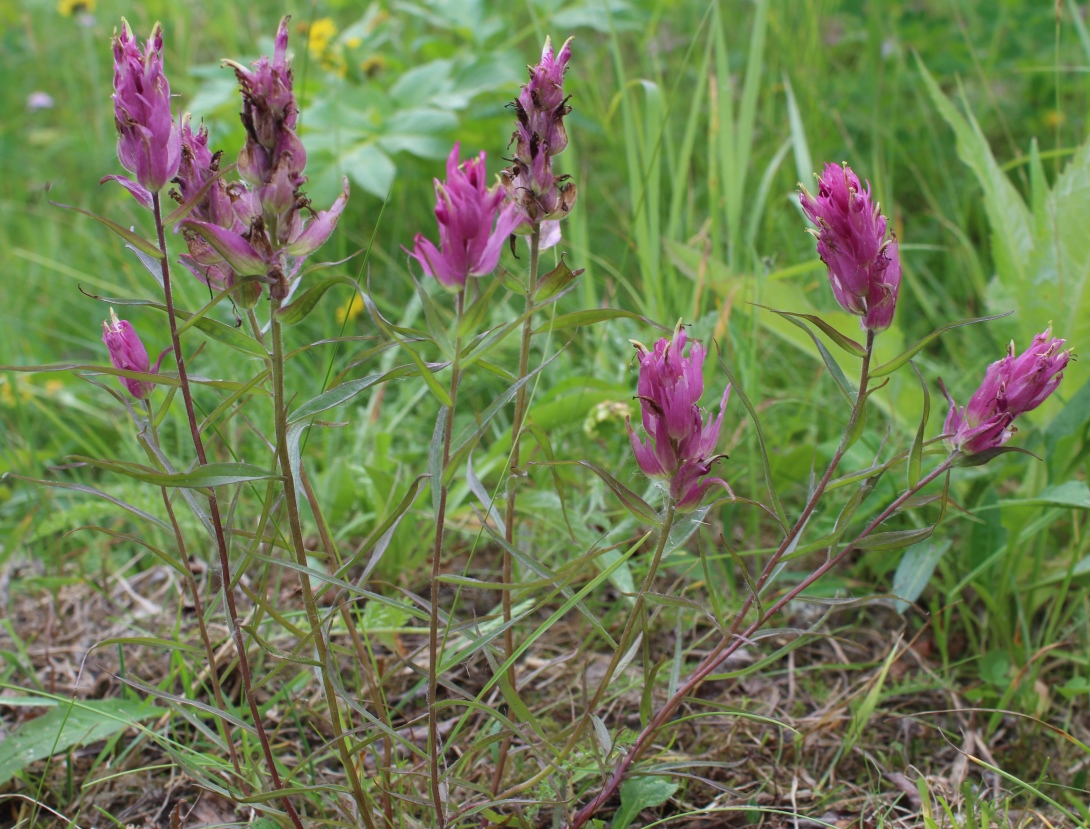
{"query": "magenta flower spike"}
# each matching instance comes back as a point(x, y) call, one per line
point(864, 266)
point(541, 197)
point(271, 226)
point(149, 142)
point(1011, 386)
point(681, 442)
point(128, 353)
point(473, 224)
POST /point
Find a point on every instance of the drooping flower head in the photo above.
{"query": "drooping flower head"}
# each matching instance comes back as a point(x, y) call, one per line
point(542, 197)
point(864, 266)
point(1011, 386)
point(681, 442)
point(127, 353)
point(149, 143)
point(470, 234)
point(279, 226)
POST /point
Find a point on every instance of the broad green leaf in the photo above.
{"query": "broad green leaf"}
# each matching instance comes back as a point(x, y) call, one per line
point(914, 571)
point(1007, 213)
point(1074, 494)
point(639, 793)
point(67, 725)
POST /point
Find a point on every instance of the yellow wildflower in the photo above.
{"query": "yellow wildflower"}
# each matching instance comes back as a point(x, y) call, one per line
point(354, 42)
point(67, 8)
point(350, 310)
point(321, 34)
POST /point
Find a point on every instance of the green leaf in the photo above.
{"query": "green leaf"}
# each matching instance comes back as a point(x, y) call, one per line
point(65, 726)
point(894, 540)
point(474, 316)
point(1074, 494)
point(212, 474)
point(845, 342)
point(914, 571)
point(835, 371)
point(639, 793)
point(345, 392)
point(915, 454)
point(631, 501)
point(160, 379)
point(138, 242)
point(577, 319)
point(912, 351)
point(739, 392)
point(554, 282)
point(981, 458)
point(301, 307)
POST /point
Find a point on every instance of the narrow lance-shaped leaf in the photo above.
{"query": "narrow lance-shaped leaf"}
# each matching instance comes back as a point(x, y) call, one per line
point(846, 343)
point(138, 242)
point(830, 363)
point(739, 392)
point(912, 351)
point(915, 454)
point(209, 475)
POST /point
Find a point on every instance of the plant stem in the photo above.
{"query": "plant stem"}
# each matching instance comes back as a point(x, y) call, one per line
point(622, 648)
point(729, 641)
point(291, 502)
point(729, 645)
point(217, 520)
point(198, 607)
point(436, 562)
point(512, 484)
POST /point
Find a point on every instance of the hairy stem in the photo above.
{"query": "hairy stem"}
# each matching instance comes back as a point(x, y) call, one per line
point(295, 523)
point(198, 607)
point(716, 657)
point(436, 570)
point(217, 520)
point(512, 484)
point(622, 648)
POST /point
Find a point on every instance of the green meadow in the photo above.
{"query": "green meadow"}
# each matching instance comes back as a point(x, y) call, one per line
point(932, 680)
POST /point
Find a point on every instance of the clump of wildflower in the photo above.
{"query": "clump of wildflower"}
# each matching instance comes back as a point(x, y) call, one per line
point(681, 442)
point(542, 197)
point(127, 352)
point(149, 143)
point(279, 228)
point(1012, 386)
point(864, 266)
point(473, 224)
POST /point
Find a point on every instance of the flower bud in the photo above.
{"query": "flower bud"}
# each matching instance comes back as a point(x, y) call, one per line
point(127, 353)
